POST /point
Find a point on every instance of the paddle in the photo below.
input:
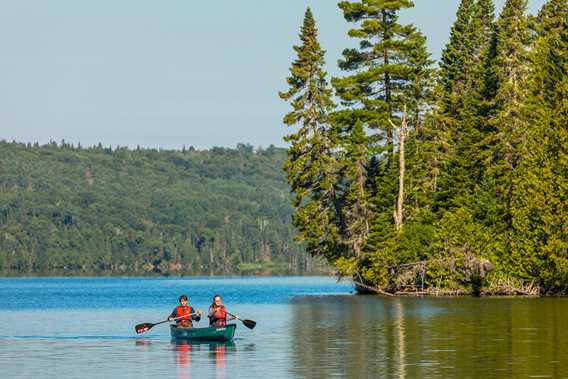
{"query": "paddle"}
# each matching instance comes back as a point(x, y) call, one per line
point(248, 323)
point(144, 327)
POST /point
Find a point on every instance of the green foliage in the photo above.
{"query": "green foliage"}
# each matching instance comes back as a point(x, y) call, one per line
point(388, 78)
point(486, 183)
point(539, 206)
point(388, 71)
point(455, 58)
point(311, 164)
point(356, 202)
point(68, 210)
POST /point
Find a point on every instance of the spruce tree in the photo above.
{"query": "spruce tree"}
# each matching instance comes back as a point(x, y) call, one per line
point(467, 124)
point(455, 58)
point(311, 164)
point(439, 142)
point(506, 125)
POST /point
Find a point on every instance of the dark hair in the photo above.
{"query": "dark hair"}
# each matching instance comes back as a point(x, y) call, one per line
point(183, 297)
point(214, 297)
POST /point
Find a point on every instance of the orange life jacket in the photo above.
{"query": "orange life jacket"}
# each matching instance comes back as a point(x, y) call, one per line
point(183, 311)
point(219, 316)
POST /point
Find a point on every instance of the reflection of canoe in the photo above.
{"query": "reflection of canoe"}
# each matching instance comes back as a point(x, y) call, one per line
point(218, 333)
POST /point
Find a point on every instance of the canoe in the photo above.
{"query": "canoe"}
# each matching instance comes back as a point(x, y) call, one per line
point(217, 333)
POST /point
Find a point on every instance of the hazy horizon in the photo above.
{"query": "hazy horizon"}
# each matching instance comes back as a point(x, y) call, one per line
point(166, 75)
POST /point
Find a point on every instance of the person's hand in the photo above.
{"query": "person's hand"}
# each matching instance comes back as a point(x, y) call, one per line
point(170, 319)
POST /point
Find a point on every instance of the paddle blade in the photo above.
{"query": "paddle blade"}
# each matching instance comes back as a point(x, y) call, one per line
point(249, 323)
point(141, 328)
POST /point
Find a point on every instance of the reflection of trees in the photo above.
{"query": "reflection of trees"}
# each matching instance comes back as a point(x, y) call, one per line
point(399, 322)
point(333, 336)
point(490, 338)
point(370, 337)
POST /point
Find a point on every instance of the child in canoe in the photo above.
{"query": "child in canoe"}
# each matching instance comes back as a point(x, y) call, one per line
point(186, 312)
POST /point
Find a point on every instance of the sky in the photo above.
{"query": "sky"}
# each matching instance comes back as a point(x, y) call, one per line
point(166, 74)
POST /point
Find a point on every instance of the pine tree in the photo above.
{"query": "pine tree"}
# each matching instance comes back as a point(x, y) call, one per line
point(390, 71)
point(311, 164)
point(388, 83)
point(384, 67)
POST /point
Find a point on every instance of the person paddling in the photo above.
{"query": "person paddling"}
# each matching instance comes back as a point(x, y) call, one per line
point(186, 312)
point(218, 315)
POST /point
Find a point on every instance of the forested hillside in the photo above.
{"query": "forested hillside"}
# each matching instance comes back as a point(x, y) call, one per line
point(71, 210)
point(449, 179)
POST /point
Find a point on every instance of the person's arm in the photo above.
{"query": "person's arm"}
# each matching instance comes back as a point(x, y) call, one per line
point(172, 315)
point(211, 316)
point(195, 316)
point(211, 312)
point(228, 317)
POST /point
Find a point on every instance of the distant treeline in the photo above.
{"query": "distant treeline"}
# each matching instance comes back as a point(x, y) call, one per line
point(423, 179)
point(69, 210)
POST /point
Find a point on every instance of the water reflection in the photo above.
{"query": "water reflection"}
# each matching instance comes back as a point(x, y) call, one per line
point(217, 352)
point(143, 344)
point(370, 336)
point(399, 325)
point(183, 360)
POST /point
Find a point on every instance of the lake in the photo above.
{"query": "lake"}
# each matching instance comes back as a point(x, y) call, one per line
point(307, 327)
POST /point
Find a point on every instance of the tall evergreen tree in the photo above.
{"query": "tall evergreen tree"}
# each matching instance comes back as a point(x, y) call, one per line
point(311, 164)
point(388, 80)
point(506, 125)
point(383, 66)
point(455, 58)
point(467, 128)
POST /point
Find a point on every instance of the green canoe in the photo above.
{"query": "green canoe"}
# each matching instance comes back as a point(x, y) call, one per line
point(218, 333)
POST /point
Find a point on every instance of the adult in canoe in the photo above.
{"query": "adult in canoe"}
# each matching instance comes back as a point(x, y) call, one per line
point(218, 315)
point(184, 313)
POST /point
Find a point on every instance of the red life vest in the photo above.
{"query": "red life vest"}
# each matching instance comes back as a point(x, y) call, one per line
point(183, 311)
point(219, 316)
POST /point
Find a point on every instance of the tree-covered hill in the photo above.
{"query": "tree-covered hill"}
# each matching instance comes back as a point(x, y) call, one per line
point(73, 210)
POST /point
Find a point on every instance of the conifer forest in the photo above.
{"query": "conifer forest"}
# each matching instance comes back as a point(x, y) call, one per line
point(411, 176)
point(70, 210)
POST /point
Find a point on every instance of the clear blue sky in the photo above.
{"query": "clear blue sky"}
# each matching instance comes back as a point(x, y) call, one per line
point(165, 73)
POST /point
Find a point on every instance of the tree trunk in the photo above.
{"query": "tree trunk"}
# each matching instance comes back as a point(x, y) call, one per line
point(398, 216)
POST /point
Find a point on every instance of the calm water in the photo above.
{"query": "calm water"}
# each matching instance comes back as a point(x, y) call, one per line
point(307, 327)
